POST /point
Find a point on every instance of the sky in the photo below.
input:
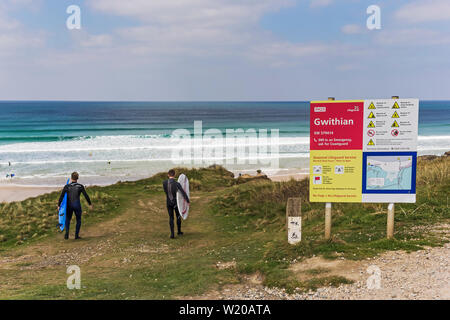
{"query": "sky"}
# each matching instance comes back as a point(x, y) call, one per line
point(221, 50)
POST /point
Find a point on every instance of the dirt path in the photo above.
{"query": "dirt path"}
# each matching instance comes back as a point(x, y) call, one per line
point(110, 251)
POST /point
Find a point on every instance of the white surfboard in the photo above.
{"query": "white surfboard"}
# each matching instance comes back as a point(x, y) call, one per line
point(183, 205)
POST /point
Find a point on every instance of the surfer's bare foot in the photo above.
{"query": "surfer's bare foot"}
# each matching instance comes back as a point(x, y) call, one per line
point(66, 236)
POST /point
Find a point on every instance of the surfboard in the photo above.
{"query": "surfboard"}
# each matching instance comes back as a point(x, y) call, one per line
point(183, 205)
point(62, 212)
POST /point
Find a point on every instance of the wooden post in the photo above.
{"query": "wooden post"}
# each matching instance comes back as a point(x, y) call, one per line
point(391, 210)
point(328, 221)
point(294, 220)
point(328, 208)
point(390, 221)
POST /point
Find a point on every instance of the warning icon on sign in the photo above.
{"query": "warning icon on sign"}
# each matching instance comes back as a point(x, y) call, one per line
point(396, 106)
point(371, 116)
point(372, 106)
point(395, 115)
point(371, 143)
point(395, 124)
point(371, 125)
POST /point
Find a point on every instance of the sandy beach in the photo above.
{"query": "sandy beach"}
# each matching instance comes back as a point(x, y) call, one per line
point(19, 193)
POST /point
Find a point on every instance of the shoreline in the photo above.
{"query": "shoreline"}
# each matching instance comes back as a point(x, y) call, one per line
point(17, 192)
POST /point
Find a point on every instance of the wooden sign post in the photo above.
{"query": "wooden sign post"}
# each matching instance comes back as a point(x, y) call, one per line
point(390, 221)
point(294, 220)
point(328, 208)
point(328, 220)
point(391, 210)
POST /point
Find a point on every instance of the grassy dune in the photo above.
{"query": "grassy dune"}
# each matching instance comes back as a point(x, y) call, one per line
point(242, 224)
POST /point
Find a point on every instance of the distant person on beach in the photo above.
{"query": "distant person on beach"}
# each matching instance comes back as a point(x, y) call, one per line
point(74, 191)
point(170, 188)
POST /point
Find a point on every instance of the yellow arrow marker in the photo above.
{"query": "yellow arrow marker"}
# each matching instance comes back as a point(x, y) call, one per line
point(395, 115)
point(395, 124)
point(371, 116)
point(372, 106)
point(371, 143)
point(371, 125)
point(396, 106)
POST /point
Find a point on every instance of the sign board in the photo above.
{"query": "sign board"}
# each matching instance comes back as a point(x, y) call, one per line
point(364, 150)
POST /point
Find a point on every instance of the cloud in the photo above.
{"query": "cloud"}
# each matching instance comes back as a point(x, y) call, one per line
point(206, 13)
point(424, 11)
point(101, 40)
point(204, 28)
point(13, 35)
point(413, 37)
point(320, 3)
point(352, 29)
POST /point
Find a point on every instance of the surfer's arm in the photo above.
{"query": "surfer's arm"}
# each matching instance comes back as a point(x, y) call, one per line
point(183, 192)
point(165, 187)
point(86, 196)
point(61, 197)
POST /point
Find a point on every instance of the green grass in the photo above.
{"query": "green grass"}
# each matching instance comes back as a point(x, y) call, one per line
point(244, 223)
point(22, 222)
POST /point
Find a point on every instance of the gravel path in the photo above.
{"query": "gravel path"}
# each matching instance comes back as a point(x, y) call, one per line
point(419, 275)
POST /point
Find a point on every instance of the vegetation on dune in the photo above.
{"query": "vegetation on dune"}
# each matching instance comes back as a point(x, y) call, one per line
point(242, 223)
point(205, 179)
point(37, 217)
point(359, 230)
point(33, 218)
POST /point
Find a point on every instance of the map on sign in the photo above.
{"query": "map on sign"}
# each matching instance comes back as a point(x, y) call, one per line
point(389, 172)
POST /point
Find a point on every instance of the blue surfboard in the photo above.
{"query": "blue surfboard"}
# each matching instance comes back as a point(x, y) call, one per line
point(62, 212)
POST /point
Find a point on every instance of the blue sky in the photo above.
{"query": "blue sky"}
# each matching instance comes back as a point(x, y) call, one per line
point(224, 50)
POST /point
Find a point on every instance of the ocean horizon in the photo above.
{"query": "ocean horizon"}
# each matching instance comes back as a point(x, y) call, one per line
point(42, 142)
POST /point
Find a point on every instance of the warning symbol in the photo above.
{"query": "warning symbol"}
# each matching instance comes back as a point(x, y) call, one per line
point(395, 124)
point(396, 106)
point(372, 106)
point(395, 115)
point(371, 116)
point(371, 125)
point(371, 143)
point(395, 132)
point(371, 133)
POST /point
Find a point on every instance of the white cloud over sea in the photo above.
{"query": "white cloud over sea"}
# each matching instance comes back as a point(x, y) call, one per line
point(223, 50)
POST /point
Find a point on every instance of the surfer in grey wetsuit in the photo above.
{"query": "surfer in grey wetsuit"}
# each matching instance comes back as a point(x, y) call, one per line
point(170, 188)
point(74, 191)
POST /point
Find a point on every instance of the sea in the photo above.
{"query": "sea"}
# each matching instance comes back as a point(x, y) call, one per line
point(42, 142)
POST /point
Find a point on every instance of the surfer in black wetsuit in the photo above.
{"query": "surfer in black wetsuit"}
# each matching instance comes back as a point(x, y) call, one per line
point(170, 188)
point(74, 191)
